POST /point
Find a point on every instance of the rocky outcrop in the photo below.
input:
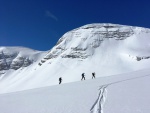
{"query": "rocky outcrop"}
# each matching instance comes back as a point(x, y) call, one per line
point(76, 53)
point(13, 61)
point(6, 60)
point(19, 62)
point(138, 58)
point(15, 58)
point(70, 45)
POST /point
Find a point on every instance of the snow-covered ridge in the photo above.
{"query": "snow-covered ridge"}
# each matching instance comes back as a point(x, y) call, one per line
point(82, 42)
point(17, 57)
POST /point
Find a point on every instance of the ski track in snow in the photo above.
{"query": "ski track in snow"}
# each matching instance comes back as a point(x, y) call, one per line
point(99, 103)
point(51, 99)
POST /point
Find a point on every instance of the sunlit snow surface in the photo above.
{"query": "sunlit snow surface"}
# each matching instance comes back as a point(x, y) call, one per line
point(106, 49)
point(125, 93)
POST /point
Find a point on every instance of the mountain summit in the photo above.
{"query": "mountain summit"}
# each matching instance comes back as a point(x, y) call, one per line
point(106, 49)
point(91, 39)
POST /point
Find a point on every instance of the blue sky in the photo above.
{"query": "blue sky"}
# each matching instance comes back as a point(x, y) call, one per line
point(38, 24)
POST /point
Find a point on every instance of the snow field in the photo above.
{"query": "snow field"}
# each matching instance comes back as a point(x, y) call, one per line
point(125, 93)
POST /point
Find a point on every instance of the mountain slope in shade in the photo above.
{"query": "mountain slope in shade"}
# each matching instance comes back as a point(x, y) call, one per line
point(106, 49)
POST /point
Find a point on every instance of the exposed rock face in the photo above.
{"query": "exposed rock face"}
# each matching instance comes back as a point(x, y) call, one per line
point(79, 43)
point(15, 57)
point(6, 60)
point(141, 58)
point(13, 61)
point(76, 43)
point(20, 61)
point(118, 32)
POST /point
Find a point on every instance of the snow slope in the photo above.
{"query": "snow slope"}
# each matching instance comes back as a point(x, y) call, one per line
point(106, 49)
point(124, 93)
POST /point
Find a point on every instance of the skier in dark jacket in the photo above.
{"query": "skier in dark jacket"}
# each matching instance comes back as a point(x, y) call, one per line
point(60, 80)
point(93, 75)
point(83, 76)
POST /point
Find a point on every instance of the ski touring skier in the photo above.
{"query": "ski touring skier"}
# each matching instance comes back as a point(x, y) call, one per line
point(93, 75)
point(83, 76)
point(60, 80)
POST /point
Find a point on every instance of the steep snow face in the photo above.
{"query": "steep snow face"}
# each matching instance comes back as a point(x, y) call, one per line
point(106, 49)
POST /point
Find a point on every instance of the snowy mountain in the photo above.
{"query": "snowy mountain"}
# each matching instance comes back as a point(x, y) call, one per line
point(17, 57)
point(106, 49)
